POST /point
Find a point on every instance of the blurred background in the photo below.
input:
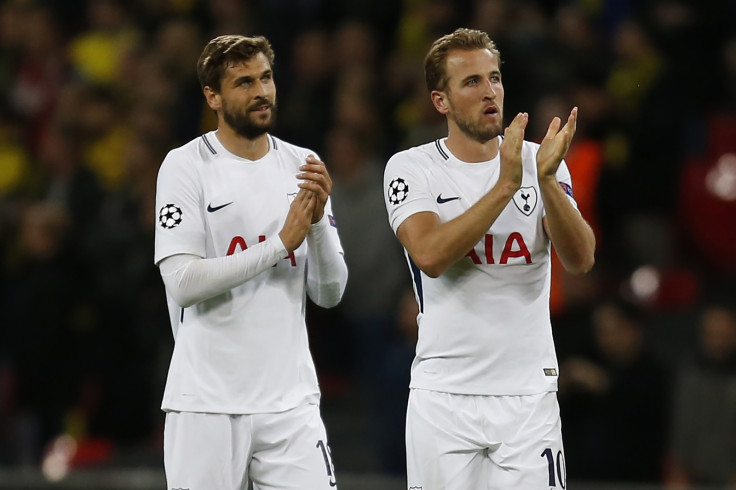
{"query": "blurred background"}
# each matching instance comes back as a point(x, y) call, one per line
point(93, 93)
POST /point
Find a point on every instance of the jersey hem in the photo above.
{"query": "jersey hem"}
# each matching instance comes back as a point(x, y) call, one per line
point(479, 392)
point(311, 399)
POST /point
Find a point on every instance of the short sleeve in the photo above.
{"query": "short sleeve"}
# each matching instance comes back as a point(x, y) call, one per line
point(406, 189)
point(565, 180)
point(180, 227)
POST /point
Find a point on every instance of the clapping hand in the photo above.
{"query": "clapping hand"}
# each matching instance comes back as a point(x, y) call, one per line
point(298, 220)
point(555, 145)
point(315, 178)
point(510, 150)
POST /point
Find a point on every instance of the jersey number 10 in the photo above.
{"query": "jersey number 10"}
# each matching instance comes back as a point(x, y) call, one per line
point(560, 467)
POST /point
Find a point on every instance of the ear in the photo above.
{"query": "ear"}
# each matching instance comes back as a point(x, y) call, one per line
point(213, 98)
point(439, 100)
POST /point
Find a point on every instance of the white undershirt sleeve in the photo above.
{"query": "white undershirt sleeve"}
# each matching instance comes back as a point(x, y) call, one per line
point(190, 279)
point(327, 273)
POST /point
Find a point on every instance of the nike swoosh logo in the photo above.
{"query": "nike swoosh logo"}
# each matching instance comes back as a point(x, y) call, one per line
point(210, 209)
point(442, 200)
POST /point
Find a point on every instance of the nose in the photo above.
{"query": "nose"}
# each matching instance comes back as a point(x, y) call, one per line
point(261, 88)
point(489, 91)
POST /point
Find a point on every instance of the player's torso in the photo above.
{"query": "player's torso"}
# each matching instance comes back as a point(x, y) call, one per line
point(244, 202)
point(484, 322)
point(517, 235)
point(230, 349)
point(484, 328)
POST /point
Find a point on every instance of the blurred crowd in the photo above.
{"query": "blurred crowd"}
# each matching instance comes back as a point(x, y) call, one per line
point(93, 93)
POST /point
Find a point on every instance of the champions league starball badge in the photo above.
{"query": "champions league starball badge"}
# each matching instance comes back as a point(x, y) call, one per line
point(398, 190)
point(170, 216)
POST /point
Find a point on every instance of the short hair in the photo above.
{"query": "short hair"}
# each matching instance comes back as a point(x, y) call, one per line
point(227, 50)
point(435, 63)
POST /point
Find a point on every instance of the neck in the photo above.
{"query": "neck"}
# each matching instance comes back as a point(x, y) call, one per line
point(468, 149)
point(250, 149)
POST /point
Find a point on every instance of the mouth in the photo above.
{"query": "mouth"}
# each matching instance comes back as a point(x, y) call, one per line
point(490, 111)
point(261, 106)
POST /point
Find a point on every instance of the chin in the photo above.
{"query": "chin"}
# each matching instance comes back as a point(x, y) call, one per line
point(490, 135)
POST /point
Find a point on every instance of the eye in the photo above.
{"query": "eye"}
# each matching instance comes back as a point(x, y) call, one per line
point(266, 78)
point(472, 82)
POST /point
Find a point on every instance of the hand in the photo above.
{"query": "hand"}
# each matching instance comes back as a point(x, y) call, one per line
point(315, 178)
point(510, 150)
point(298, 220)
point(555, 145)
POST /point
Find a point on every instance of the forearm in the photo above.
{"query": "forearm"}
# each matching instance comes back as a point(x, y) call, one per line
point(437, 246)
point(570, 234)
point(327, 272)
point(190, 279)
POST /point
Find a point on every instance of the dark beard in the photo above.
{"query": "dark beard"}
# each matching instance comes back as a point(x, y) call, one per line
point(243, 125)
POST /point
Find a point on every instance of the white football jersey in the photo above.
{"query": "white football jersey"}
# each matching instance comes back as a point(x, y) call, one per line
point(484, 325)
point(246, 350)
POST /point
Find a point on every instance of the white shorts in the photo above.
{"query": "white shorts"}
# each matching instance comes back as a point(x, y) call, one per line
point(484, 442)
point(287, 450)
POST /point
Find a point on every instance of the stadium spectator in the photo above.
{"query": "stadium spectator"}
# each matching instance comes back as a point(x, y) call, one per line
point(610, 397)
point(703, 437)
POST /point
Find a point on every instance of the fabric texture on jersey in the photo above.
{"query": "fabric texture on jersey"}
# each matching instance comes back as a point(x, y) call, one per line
point(484, 325)
point(190, 279)
point(245, 350)
point(459, 442)
point(275, 451)
point(327, 272)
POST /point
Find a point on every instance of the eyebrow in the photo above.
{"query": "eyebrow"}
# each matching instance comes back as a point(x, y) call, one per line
point(477, 75)
point(249, 78)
